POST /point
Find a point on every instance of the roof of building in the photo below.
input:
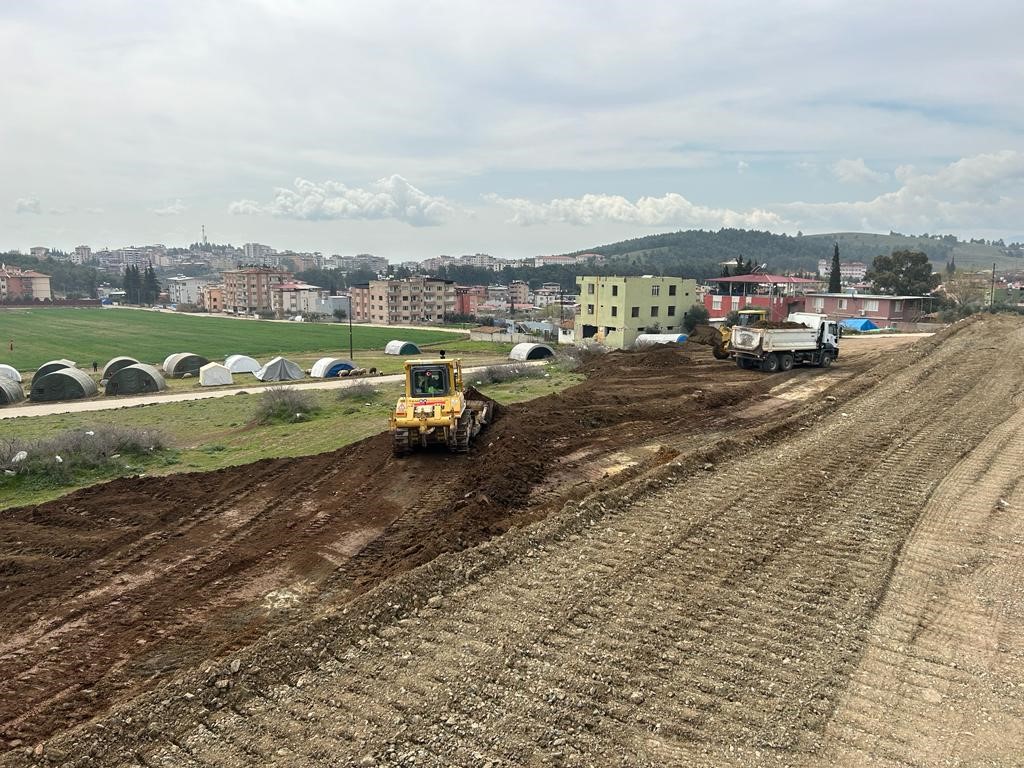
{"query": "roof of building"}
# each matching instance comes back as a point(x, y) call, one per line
point(762, 279)
point(867, 296)
point(294, 287)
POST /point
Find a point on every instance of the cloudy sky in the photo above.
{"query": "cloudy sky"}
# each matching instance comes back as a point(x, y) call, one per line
point(416, 128)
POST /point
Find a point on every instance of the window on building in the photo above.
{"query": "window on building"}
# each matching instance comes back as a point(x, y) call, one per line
point(870, 305)
point(897, 306)
point(655, 290)
point(634, 312)
point(590, 309)
point(716, 302)
point(615, 290)
point(672, 290)
point(615, 311)
point(842, 303)
point(672, 310)
point(590, 289)
point(819, 304)
point(654, 311)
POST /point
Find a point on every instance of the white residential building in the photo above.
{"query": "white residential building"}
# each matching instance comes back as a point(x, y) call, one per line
point(185, 290)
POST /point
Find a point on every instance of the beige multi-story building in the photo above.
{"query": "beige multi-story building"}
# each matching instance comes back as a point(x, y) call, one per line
point(289, 299)
point(81, 255)
point(396, 302)
point(615, 310)
point(212, 298)
point(247, 289)
point(519, 292)
point(23, 285)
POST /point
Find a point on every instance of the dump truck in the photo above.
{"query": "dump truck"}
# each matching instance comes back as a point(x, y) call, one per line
point(803, 339)
point(720, 338)
point(435, 409)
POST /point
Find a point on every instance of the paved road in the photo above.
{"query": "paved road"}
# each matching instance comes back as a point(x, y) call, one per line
point(110, 403)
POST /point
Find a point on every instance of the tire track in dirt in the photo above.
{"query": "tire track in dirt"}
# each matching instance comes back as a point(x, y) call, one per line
point(692, 618)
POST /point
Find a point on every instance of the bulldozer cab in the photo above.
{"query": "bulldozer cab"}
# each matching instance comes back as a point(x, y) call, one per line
point(433, 379)
point(751, 316)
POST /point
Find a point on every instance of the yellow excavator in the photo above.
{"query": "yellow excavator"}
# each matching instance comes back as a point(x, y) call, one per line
point(435, 409)
point(719, 338)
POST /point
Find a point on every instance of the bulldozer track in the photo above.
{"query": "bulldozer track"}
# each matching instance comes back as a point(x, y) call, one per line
point(839, 588)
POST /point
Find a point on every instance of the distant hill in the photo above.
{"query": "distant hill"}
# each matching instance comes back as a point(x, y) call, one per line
point(699, 253)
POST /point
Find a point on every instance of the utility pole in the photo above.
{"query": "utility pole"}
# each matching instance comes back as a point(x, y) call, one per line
point(992, 291)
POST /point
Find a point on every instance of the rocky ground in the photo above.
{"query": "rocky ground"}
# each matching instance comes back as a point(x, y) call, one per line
point(676, 563)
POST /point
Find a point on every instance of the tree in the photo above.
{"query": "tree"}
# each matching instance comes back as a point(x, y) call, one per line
point(835, 282)
point(903, 273)
point(694, 316)
point(966, 288)
point(150, 286)
point(340, 314)
point(132, 285)
point(951, 267)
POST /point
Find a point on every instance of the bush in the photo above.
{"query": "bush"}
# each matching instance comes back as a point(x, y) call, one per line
point(285, 405)
point(571, 357)
point(364, 391)
point(694, 316)
point(499, 374)
point(78, 449)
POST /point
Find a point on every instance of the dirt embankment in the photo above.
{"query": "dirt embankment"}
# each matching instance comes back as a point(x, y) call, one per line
point(114, 588)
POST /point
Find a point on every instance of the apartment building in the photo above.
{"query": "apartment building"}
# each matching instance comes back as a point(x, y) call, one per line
point(248, 289)
point(212, 298)
point(291, 298)
point(185, 290)
point(23, 285)
point(615, 310)
point(411, 300)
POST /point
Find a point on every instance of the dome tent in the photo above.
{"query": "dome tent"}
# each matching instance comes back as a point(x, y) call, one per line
point(177, 366)
point(330, 367)
point(279, 369)
point(241, 364)
point(134, 379)
point(115, 365)
point(9, 372)
point(50, 367)
point(10, 391)
point(398, 347)
point(63, 384)
point(166, 367)
point(528, 351)
point(215, 375)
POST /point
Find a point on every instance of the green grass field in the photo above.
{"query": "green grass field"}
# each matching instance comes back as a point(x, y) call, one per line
point(84, 335)
point(210, 434)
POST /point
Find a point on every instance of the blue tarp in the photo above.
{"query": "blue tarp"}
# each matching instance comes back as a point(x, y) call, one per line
point(859, 324)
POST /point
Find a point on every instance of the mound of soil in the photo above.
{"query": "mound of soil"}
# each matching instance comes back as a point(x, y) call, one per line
point(110, 589)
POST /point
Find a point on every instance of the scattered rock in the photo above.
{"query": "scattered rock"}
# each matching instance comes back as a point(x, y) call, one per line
point(235, 666)
point(636, 697)
point(223, 683)
point(435, 602)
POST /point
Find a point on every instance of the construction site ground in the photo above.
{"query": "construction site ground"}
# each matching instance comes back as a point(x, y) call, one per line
point(676, 562)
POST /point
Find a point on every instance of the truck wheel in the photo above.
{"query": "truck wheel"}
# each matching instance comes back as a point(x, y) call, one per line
point(720, 353)
point(826, 360)
point(770, 364)
point(785, 361)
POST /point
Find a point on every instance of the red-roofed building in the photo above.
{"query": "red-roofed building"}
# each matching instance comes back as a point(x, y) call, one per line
point(778, 293)
point(23, 285)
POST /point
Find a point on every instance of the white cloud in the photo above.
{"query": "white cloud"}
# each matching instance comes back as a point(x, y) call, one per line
point(671, 210)
point(173, 209)
point(857, 172)
point(742, 166)
point(980, 192)
point(28, 205)
point(388, 198)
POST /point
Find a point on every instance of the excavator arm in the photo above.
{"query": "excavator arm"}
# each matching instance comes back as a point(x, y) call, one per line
point(716, 338)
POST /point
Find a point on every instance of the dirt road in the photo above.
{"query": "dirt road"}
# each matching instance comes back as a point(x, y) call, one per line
point(813, 569)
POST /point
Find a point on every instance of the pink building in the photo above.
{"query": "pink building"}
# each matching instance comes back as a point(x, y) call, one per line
point(880, 309)
point(776, 292)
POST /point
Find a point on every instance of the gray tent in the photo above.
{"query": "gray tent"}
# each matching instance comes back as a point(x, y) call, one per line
point(177, 366)
point(133, 379)
point(63, 384)
point(9, 372)
point(528, 351)
point(279, 369)
point(50, 367)
point(10, 391)
point(115, 365)
point(398, 347)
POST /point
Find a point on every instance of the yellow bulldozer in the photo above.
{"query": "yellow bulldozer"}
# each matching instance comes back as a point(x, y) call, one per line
point(435, 409)
point(719, 338)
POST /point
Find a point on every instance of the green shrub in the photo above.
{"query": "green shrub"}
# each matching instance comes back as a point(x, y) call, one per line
point(64, 454)
point(364, 391)
point(285, 405)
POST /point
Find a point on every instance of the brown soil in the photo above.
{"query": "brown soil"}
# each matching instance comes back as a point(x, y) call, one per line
point(749, 570)
point(113, 588)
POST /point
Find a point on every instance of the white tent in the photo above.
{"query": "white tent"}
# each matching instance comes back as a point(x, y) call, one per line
point(168, 363)
point(399, 347)
point(214, 375)
point(8, 372)
point(241, 364)
point(279, 369)
point(330, 367)
point(528, 351)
